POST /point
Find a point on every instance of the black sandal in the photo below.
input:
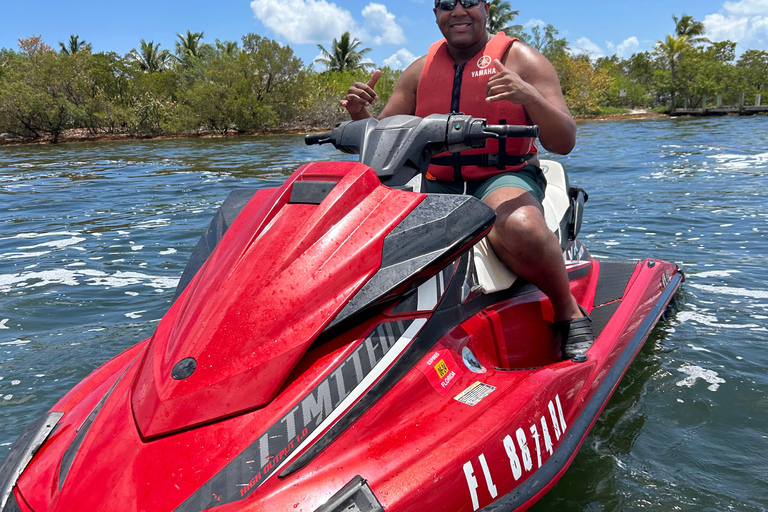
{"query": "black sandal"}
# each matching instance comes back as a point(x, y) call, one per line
point(576, 335)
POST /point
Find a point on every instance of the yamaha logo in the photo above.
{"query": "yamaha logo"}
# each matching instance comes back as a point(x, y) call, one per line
point(484, 61)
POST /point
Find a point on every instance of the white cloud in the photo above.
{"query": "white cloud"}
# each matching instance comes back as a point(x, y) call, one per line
point(745, 22)
point(628, 47)
point(319, 22)
point(377, 18)
point(400, 60)
point(533, 22)
point(585, 46)
point(747, 8)
point(303, 21)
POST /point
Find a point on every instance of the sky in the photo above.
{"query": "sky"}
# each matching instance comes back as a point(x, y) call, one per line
point(397, 31)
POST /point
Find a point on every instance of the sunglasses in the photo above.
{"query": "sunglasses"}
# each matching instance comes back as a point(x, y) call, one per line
point(449, 5)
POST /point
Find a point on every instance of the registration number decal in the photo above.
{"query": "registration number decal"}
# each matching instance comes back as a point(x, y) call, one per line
point(526, 449)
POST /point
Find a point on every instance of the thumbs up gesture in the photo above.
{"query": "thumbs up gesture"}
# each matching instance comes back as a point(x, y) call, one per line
point(361, 95)
point(507, 85)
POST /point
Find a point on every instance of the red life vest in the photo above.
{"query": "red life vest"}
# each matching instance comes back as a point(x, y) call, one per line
point(468, 96)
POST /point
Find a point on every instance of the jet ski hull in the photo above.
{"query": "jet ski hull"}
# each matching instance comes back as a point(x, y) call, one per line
point(417, 447)
point(399, 386)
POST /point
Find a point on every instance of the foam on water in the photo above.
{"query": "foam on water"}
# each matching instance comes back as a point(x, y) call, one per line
point(72, 277)
point(121, 279)
point(699, 349)
point(15, 343)
point(151, 224)
point(714, 273)
point(709, 320)
point(22, 255)
point(57, 244)
point(697, 372)
point(729, 290)
point(41, 235)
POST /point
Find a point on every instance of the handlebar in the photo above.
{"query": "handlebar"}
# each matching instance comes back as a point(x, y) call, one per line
point(477, 132)
point(509, 130)
point(318, 138)
point(399, 146)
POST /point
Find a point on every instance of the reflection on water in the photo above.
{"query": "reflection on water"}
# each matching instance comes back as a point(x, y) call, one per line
point(95, 237)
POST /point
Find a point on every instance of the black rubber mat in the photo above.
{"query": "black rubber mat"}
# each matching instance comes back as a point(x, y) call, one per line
point(600, 316)
point(613, 280)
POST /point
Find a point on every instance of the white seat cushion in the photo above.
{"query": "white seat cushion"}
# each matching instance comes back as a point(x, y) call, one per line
point(494, 275)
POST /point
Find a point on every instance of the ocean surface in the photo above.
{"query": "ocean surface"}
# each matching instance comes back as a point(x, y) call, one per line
point(94, 237)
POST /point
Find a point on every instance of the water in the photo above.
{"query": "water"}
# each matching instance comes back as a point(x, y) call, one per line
point(94, 237)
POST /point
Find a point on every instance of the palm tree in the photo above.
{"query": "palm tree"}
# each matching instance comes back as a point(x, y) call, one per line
point(344, 55)
point(74, 45)
point(188, 45)
point(672, 50)
point(501, 14)
point(151, 58)
point(227, 48)
point(690, 28)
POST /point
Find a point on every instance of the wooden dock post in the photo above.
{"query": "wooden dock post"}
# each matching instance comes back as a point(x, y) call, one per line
point(741, 102)
point(757, 99)
point(719, 100)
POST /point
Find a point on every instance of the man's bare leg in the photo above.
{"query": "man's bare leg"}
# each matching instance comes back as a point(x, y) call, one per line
point(522, 240)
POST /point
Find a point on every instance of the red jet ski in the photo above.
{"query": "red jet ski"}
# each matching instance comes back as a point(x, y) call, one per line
point(346, 343)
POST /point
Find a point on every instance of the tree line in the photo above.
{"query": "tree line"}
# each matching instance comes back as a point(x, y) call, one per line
point(256, 84)
point(252, 85)
point(681, 69)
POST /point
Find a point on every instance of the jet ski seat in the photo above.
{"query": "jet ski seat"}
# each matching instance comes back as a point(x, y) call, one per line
point(562, 212)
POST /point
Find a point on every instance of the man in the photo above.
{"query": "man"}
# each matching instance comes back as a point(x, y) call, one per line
point(502, 80)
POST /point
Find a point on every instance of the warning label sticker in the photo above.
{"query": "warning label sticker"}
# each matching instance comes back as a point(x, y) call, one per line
point(474, 393)
point(441, 369)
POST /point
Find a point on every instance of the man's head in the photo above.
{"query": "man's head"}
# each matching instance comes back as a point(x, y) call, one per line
point(462, 22)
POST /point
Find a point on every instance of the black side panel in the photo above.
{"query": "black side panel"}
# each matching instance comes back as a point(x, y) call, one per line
point(22, 451)
point(613, 280)
point(436, 229)
point(225, 215)
point(440, 221)
point(310, 192)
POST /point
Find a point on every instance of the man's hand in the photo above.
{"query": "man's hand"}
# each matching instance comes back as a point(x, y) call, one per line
point(361, 95)
point(507, 85)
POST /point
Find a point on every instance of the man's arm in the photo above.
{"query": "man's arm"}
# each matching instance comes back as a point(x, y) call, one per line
point(536, 86)
point(402, 101)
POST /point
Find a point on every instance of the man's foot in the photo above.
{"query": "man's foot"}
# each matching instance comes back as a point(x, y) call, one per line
point(576, 335)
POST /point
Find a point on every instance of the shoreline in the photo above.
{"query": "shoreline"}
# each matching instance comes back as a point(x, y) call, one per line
point(83, 135)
